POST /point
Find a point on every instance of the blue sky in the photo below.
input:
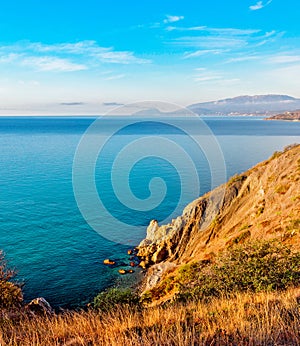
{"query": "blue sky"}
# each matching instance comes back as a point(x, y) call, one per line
point(84, 57)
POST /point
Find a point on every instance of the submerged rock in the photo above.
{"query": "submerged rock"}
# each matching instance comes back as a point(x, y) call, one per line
point(109, 262)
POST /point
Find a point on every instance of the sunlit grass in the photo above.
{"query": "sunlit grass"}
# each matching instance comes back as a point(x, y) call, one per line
point(245, 319)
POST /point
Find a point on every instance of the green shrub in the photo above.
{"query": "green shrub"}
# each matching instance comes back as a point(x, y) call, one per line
point(187, 272)
point(114, 297)
point(10, 293)
point(255, 267)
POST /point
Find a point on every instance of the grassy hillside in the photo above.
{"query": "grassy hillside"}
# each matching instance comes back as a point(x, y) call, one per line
point(245, 319)
point(260, 204)
point(227, 272)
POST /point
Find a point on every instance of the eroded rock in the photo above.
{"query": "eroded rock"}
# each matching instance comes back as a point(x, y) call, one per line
point(40, 306)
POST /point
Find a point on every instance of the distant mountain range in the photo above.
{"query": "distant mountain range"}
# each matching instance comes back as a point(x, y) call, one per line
point(248, 105)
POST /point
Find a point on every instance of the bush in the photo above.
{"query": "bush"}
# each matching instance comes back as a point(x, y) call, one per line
point(115, 297)
point(10, 293)
point(254, 267)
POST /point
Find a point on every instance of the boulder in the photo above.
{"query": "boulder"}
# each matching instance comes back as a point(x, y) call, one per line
point(40, 306)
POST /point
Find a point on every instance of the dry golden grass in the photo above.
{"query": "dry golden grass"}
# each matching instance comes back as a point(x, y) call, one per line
point(246, 319)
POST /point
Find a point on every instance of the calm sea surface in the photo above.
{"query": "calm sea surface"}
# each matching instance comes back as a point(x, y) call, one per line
point(57, 253)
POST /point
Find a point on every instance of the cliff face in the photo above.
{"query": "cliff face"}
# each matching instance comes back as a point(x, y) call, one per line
point(262, 203)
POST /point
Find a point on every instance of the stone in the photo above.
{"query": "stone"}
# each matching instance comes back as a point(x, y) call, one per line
point(156, 272)
point(143, 264)
point(109, 262)
point(40, 306)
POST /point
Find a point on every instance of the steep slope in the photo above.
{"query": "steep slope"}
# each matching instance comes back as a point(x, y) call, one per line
point(262, 203)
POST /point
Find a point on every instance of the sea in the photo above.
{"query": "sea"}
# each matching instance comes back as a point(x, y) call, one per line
point(77, 190)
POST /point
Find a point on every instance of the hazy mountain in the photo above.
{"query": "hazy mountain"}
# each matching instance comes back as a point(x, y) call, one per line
point(257, 105)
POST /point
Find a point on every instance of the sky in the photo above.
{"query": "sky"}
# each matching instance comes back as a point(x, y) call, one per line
point(87, 57)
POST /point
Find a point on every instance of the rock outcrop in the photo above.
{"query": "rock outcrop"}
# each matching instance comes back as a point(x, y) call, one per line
point(291, 116)
point(263, 202)
point(40, 306)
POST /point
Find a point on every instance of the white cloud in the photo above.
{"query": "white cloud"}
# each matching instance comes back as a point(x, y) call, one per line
point(202, 52)
point(114, 57)
point(92, 49)
point(204, 75)
point(216, 31)
point(284, 59)
point(65, 57)
point(9, 58)
point(206, 78)
point(113, 77)
point(209, 42)
point(259, 5)
point(48, 63)
point(242, 59)
point(173, 19)
point(222, 41)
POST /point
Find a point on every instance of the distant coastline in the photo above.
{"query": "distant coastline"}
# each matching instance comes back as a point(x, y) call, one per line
point(288, 116)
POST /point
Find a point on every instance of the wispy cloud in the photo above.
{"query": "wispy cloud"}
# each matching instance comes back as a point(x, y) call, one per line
point(9, 57)
point(203, 75)
point(172, 19)
point(65, 57)
point(48, 63)
point(209, 42)
point(202, 52)
point(259, 5)
point(202, 40)
point(205, 38)
point(284, 59)
point(242, 59)
point(91, 49)
point(113, 77)
point(206, 76)
point(216, 31)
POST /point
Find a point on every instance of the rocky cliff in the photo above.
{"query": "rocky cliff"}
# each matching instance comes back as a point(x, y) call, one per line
point(263, 202)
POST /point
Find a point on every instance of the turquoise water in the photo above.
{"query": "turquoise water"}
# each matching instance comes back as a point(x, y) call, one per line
point(56, 252)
